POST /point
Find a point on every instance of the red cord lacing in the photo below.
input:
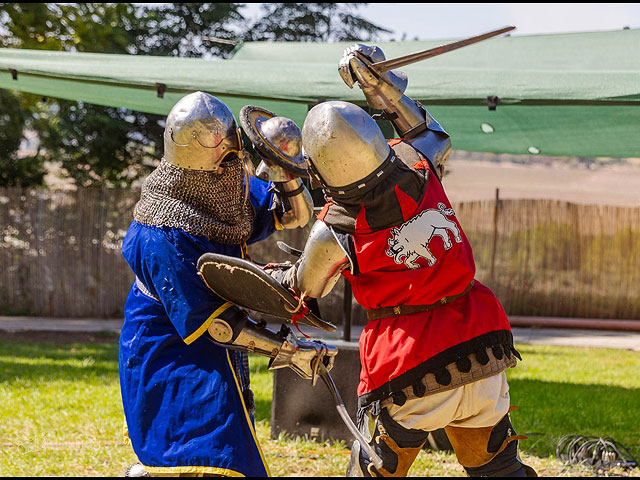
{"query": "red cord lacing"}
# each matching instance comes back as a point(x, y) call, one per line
point(299, 313)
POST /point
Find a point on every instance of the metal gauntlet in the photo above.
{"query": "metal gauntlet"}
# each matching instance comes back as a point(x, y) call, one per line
point(304, 356)
point(386, 92)
point(234, 329)
point(383, 91)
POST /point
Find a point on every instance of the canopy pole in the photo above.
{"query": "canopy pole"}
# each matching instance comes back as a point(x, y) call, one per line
point(346, 312)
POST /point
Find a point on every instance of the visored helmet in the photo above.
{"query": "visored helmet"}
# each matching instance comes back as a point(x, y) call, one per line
point(343, 143)
point(200, 132)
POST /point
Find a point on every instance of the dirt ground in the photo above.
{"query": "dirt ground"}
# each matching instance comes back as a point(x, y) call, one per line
point(469, 180)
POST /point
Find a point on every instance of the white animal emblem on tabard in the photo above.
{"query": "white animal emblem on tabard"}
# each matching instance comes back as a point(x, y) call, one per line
point(410, 240)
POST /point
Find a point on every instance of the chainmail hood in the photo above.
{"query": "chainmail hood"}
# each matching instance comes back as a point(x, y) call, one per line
point(199, 202)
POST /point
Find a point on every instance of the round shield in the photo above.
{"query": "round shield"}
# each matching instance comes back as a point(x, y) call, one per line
point(277, 139)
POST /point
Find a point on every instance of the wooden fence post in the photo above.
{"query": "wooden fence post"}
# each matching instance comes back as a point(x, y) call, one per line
point(495, 236)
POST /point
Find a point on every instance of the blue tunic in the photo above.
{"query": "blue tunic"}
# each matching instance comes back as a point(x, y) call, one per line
point(181, 393)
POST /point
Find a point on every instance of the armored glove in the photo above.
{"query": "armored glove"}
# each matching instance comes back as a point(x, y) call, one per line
point(285, 274)
point(304, 356)
point(383, 90)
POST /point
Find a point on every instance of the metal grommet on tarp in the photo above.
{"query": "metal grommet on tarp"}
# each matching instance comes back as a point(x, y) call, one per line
point(160, 89)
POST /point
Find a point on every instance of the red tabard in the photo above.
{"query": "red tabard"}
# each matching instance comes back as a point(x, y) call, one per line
point(418, 262)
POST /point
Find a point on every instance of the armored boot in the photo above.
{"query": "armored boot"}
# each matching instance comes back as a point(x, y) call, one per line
point(489, 451)
point(136, 470)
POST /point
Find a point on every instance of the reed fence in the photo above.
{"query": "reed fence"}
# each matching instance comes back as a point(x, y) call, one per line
point(60, 255)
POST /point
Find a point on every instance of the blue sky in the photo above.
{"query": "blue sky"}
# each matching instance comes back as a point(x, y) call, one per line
point(428, 21)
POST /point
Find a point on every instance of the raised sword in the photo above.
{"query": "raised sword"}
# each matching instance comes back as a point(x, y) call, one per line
point(386, 65)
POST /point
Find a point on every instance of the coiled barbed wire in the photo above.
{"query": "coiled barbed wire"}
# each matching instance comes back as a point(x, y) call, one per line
point(597, 452)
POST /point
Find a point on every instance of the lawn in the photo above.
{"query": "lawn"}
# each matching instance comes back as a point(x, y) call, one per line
point(62, 414)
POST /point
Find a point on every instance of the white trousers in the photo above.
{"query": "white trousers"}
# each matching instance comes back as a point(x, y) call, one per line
point(482, 403)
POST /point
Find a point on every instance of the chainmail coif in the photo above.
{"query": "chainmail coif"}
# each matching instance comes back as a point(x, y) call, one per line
point(198, 202)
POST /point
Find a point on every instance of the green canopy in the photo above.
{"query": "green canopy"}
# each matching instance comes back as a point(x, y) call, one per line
point(568, 94)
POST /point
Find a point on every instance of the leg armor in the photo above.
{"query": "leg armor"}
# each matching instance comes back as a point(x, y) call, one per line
point(489, 451)
point(397, 446)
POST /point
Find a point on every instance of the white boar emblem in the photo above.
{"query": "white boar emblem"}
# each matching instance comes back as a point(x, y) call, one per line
point(411, 239)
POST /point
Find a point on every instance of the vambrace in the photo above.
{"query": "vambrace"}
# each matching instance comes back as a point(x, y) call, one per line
point(414, 123)
point(234, 329)
point(298, 203)
point(408, 117)
point(386, 92)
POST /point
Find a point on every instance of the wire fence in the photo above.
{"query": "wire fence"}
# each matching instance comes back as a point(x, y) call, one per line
point(60, 255)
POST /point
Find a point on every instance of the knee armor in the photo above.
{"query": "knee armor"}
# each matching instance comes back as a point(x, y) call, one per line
point(397, 446)
point(489, 451)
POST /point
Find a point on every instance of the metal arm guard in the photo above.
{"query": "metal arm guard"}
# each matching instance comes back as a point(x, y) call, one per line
point(295, 194)
point(234, 329)
point(414, 123)
point(321, 263)
point(292, 192)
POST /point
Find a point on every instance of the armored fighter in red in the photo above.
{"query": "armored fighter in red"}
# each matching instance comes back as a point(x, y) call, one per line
point(438, 342)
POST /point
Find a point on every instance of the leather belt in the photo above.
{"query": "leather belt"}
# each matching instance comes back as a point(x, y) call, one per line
point(378, 313)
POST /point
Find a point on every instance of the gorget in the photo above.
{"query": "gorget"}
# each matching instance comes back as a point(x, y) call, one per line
point(377, 194)
point(199, 202)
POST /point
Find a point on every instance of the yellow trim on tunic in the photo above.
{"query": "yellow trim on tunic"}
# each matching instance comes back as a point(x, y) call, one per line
point(246, 413)
point(203, 328)
point(193, 469)
point(278, 224)
point(125, 431)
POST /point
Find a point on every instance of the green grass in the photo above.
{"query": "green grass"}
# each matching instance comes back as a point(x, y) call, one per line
point(561, 391)
point(62, 415)
point(61, 410)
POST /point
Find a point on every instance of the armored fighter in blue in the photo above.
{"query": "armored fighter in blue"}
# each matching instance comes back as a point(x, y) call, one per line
point(183, 363)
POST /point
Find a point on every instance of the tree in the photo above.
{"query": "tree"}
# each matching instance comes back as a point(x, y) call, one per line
point(113, 146)
point(182, 29)
point(308, 22)
point(15, 171)
point(96, 145)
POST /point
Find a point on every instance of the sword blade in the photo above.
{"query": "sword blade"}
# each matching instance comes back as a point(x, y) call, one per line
point(342, 411)
point(386, 65)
